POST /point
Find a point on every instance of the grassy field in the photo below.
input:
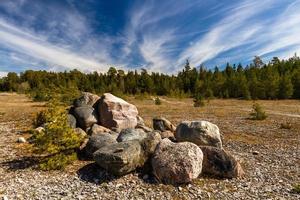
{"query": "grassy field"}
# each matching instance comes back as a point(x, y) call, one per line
point(230, 115)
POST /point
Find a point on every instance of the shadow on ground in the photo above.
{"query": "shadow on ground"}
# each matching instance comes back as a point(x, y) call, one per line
point(21, 163)
point(92, 173)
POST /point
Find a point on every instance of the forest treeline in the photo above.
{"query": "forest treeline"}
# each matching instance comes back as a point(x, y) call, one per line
point(278, 79)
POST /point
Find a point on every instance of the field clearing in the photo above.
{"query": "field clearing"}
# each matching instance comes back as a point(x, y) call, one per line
point(269, 175)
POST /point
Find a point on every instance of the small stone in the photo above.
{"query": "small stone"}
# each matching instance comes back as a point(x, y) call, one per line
point(255, 152)
point(118, 185)
point(180, 189)
point(5, 198)
point(145, 177)
point(21, 140)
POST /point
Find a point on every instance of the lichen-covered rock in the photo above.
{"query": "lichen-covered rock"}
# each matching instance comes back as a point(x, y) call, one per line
point(199, 132)
point(71, 121)
point(140, 121)
point(80, 132)
point(131, 134)
point(115, 112)
point(219, 163)
point(144, 128)
point(150, 143)
point(86, 116)
point(97, 129)
point(162, 124)
point(121, 158)
point(176, 163)
point(167, 134)
point(86, 99)
point(126, 156)
point(98, 141)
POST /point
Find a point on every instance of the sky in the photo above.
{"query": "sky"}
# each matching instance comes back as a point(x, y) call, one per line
point(158, 35)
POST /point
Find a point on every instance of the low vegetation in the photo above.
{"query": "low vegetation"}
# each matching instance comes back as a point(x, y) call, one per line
point(296, 188)
point(157, 101)
point(58, 142)
point(258, 113)
point(199, 101)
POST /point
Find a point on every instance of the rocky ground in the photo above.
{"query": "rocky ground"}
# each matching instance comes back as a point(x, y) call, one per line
point(269, 155)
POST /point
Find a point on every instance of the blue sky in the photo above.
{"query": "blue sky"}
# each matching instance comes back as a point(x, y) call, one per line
point(158, 35)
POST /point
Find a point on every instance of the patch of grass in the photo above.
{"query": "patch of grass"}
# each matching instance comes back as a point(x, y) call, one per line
point(157, 101)
point(199, 101)
point(142, 96)
point(296, 189)
point(258, 112)
point(286, 125)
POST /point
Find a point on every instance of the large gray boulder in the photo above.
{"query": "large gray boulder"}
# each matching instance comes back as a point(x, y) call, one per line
point(124, 157)
point(98, 141)
point(199, 132)
point(219, 163)
point(86, 99)
point(71, 121)
point(162, 124)
point(121, 158)
point(115, 112)
point(86, 116)
point(131, 134)
point(177, 163)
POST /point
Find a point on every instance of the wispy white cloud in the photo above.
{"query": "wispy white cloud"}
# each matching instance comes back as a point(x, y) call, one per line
point(154, 41)
point(154, 51)
point(244, 32)
point(37, 48)
point(234, 30)
point(3, 74)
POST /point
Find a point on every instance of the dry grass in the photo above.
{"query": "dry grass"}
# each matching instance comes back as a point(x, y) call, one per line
point(15, 107)
point(230, 115)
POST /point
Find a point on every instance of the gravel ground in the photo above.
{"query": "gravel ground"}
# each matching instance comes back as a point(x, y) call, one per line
point(270, 175)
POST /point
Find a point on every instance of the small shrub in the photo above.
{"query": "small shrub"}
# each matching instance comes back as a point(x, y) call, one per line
point(58, 162)
point(199, 101)
point(157, 101)
point(40, 119)
point(296, 189)
point(58, 141)
point(258, 113)
point(285, 125)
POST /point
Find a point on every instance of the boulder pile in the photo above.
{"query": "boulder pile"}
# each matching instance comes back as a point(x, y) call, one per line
point(118, 140)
